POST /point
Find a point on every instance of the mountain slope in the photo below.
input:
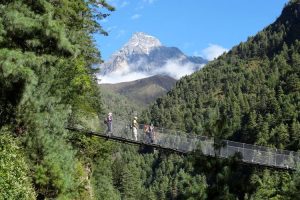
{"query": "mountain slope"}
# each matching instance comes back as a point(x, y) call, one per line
point(143, 91)
point(121, 106)
point(250, 94)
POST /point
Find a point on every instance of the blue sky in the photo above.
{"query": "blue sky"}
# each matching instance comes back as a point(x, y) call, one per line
point(197, 27)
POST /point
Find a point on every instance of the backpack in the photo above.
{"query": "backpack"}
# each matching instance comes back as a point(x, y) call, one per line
point(105, 121)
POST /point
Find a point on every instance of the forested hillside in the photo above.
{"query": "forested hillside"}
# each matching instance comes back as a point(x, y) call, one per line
point(251, 94)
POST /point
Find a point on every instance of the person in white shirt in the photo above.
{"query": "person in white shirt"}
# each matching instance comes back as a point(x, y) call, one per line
point(135, 126)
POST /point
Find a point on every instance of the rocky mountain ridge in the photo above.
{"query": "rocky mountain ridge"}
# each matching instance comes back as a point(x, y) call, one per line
point(145, 53)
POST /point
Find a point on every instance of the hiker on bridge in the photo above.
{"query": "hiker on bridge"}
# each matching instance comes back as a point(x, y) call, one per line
point(152, 133)
point(149, 133)
point(135, 127)
point(108, 122)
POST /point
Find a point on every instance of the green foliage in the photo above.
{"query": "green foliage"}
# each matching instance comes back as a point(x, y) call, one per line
point(294, 189)
point(46, 78)
point(192, 187)
point(156, 176)
point(103, 181)
point(271, 186)
point(15, 182)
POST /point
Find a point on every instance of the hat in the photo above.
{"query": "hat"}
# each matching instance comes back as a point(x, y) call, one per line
point(135, 117)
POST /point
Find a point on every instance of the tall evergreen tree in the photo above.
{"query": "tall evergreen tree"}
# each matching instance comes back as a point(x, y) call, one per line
point(46, 52)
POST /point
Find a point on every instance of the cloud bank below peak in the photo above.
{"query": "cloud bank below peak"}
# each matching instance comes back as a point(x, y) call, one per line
point(172, 68)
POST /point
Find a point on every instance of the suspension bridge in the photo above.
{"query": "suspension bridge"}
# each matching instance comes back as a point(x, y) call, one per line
point(184, 143)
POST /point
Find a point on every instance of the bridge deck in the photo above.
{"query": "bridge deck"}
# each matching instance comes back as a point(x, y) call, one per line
point(124, 140)
point(184, 143)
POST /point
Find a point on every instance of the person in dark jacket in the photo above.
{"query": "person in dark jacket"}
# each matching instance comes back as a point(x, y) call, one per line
point(152, 133)
point(109, 120)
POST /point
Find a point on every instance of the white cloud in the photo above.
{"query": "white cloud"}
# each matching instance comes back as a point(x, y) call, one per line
point(172, 68)
point(124, 75)
point(120, 33)
point(113, 78)
point(135, 16)
point(175, 69)
point(212, 51)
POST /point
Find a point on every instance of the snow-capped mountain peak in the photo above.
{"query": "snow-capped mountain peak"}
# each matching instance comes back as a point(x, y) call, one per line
point(145, 54)
point(140, 43)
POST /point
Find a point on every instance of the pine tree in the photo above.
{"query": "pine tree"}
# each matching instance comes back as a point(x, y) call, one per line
point(46, 53)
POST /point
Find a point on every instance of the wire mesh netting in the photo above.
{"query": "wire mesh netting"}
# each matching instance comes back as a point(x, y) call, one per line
point(184, 142)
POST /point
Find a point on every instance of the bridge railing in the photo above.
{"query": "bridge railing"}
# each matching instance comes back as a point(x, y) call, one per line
point(185, 142)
